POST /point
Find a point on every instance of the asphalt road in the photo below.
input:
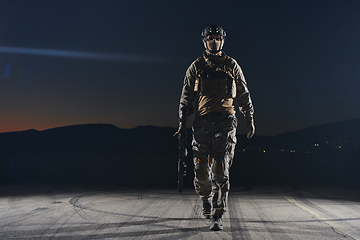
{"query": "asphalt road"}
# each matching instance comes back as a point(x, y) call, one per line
point(102, 212)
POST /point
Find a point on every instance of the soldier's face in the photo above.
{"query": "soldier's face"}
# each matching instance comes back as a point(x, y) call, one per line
point(213, 42)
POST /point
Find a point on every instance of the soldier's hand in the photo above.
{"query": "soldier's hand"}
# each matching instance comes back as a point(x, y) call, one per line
point(181, 132)
point(250, 130)
point(177, 132)
point(250, 127)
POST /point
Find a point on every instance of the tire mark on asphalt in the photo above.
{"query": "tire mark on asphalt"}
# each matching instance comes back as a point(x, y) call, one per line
point(238, 229)
point(41, 203)
point(80, 208)
point(181, 224)
point(16, 204)
point(271, 228)
point(174, 211)
point(332, 220)
point(177, 233)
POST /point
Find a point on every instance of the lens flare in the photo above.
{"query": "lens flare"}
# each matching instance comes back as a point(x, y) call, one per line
point(77, 54)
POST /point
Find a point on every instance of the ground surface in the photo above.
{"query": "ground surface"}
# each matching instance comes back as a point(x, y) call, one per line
point(103, 212)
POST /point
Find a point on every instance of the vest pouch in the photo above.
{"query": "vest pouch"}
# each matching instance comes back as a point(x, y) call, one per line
point(214, 82)
point(212, 87)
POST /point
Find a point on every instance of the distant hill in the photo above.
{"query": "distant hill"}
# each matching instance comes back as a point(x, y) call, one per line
point(109, 134)
point(146, 156)
point(90, 152)
point(340, 132)
point(345, 131)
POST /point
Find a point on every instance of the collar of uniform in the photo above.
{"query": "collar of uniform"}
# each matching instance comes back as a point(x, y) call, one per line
point(214, 60)
point(214, 57)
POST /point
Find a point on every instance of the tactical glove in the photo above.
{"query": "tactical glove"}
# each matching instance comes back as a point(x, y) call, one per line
point(250, 127)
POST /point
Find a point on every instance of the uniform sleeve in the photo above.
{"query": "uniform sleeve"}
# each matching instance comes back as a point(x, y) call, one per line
point(242, 92)
point(188, 94)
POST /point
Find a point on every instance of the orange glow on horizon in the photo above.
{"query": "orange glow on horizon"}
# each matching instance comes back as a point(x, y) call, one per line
point(18, 127)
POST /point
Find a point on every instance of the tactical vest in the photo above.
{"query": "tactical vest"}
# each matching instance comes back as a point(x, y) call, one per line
point(213, 80)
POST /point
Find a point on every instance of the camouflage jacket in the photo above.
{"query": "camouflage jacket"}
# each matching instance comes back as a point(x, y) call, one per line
point(214, 82)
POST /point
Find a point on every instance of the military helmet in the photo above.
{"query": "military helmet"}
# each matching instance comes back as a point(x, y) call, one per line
point(213, 30)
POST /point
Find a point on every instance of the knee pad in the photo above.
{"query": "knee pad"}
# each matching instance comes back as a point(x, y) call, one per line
point(220, 179)
point(202, 172)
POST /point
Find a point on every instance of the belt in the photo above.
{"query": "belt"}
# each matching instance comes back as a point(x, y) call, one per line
point(216, 114)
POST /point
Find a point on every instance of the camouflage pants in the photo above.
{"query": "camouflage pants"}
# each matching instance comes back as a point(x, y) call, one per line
point(214, 139)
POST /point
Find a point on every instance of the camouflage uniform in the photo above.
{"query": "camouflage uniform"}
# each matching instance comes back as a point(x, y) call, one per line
point(214, 82)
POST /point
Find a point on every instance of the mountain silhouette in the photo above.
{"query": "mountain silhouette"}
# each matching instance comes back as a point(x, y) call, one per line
point(340, 132)
point(89, 153)
point(146, 156)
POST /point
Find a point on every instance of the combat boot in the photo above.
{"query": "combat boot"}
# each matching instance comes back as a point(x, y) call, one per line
point(206, 209)
point(216, 223)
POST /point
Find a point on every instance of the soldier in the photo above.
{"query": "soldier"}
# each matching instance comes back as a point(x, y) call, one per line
point(214, 81)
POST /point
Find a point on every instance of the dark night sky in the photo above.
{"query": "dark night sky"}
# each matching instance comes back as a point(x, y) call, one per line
point(300, 58)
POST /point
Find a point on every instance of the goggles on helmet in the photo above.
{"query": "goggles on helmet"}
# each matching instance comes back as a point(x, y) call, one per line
point(213, 37)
